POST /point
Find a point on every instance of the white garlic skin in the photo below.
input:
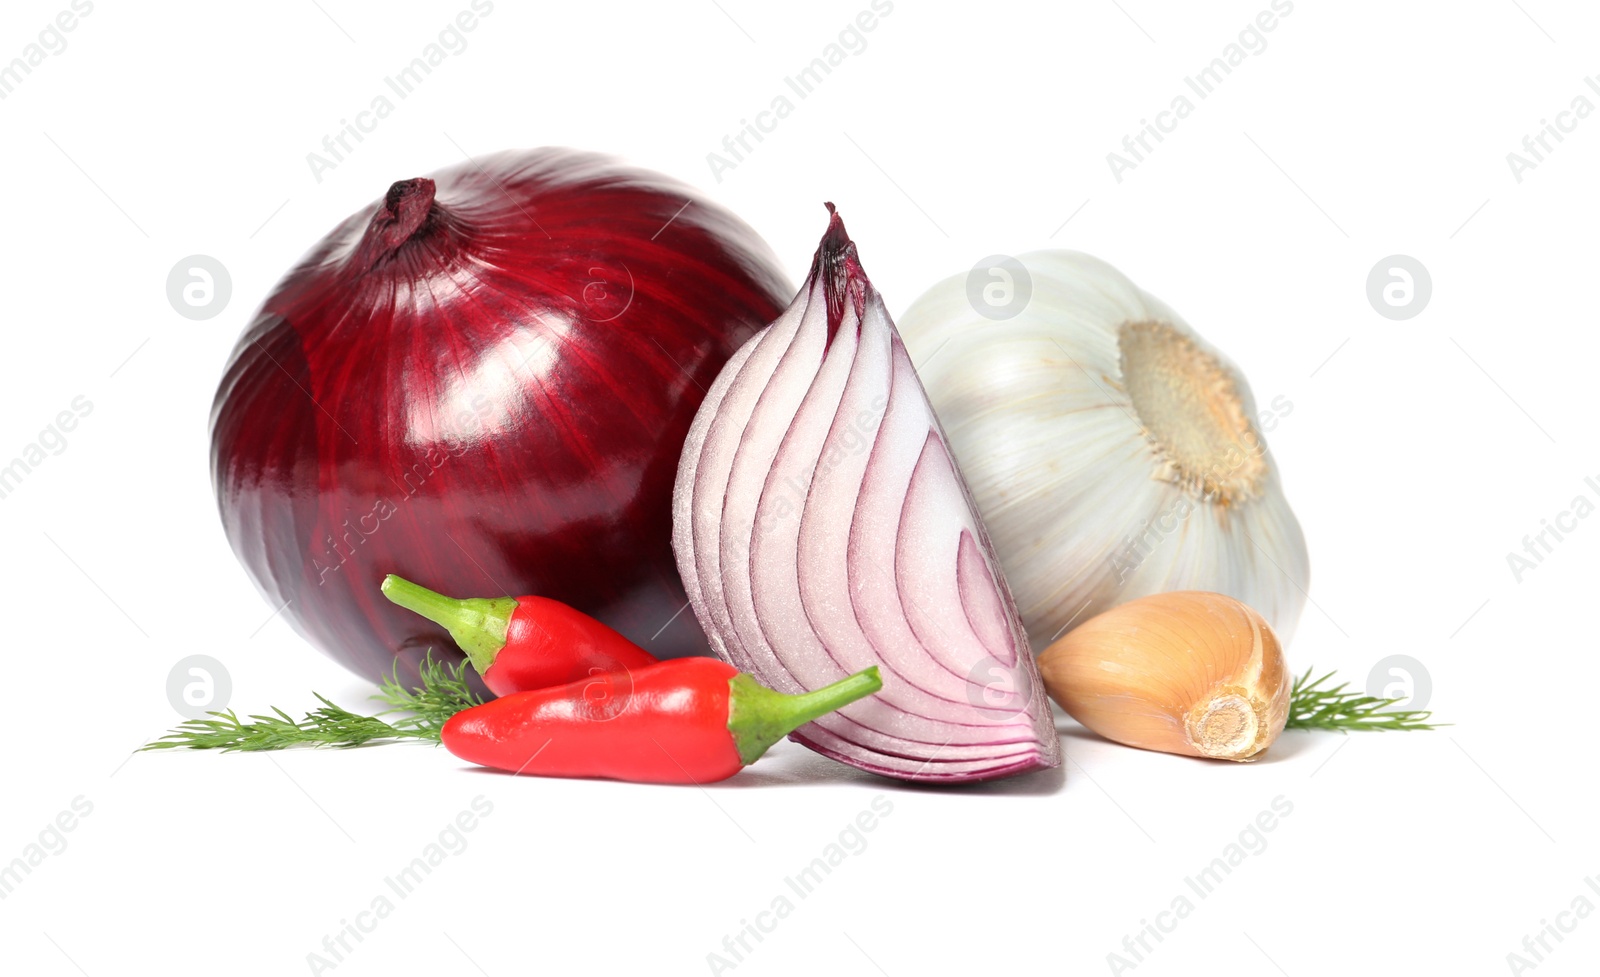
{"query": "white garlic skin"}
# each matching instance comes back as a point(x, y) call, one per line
point(1083, 503)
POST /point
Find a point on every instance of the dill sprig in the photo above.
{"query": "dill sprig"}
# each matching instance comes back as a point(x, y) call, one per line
point(443, 693)
point(1314, 706)
point(420, 714)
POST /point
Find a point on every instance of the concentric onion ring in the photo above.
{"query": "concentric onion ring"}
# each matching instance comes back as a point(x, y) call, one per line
point(822, 526)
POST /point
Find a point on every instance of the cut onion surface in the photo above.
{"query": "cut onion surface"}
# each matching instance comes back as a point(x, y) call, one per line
point(821, 526)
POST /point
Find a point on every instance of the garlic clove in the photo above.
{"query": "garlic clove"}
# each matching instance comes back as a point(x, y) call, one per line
point(1190, 672)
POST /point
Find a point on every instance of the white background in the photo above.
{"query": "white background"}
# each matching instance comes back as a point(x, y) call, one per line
point(1417, 457)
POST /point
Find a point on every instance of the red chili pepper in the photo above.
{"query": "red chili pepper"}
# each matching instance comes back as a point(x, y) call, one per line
point(684, 721)
point(521, 643)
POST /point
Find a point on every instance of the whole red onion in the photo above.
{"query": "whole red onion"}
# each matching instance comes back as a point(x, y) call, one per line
point(483, 382)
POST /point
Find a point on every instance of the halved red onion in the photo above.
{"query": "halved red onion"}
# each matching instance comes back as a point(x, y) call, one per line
point(822, 526)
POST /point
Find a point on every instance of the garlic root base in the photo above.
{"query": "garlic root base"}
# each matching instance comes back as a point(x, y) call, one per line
point(1231, 725)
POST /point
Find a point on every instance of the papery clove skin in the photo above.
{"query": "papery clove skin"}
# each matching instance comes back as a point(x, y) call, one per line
point(1193, 673)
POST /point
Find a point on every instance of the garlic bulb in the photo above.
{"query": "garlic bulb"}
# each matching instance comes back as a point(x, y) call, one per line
point(1194, 673)
point(1111, 452)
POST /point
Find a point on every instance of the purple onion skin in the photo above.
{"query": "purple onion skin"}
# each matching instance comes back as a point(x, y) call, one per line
point(483, 382)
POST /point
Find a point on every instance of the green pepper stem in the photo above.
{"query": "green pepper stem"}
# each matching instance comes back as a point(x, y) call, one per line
point(478, 624)
point(759, 717)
